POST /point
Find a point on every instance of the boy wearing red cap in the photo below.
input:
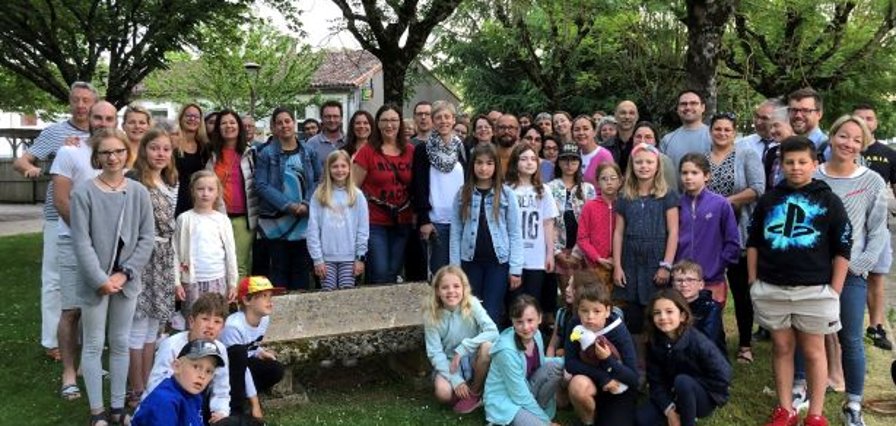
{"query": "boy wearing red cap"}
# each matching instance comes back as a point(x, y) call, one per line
point(252, 368)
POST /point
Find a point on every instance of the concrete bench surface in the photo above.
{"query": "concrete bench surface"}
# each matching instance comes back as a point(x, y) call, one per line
point(365, 321)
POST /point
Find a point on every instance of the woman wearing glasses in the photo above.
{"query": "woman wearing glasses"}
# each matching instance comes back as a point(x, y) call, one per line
point(736, 173)
point(113, 232)
point(190, 154)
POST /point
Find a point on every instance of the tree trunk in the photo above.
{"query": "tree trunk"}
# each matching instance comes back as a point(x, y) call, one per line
point(706, 21)
point(394, 73)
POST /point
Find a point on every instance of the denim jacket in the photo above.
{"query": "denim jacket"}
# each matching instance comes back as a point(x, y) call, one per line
point(506, 232)
point(269, 177)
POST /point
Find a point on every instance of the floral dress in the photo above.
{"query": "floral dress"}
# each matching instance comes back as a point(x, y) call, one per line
point(159, 276)
point(570, 208)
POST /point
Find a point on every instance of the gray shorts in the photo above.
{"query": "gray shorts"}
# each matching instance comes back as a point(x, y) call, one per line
point(69, 276)
point(466, 367)
point(809, 309)
point(885, 259)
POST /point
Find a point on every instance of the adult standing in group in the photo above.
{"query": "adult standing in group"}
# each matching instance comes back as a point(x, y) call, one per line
point(285, 177)
point(438, 172)
point(310, 127)
point(330, 137)
point(113, 232)
point(881, 159)
point(806, 108)
point(550, 152)
point(483, 132)
point(233, 161)
point(382, 169)
point(593, 155)
point(252, 131)
point(626, 115)
point(607, 129)
point(423, 122)
point(360, 126)
point(736, 173)
point(191, 154)
point(545, 122)
point(533, 137)
point(693, 135)
point(507, 134)
point(563, 127)
point(761, 141)
point(73, 167)
point(137, 120)
point(210, 121)
point(81, 98)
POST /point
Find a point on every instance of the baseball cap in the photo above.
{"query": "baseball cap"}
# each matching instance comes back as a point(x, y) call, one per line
point(201, 348)
point(570, 150)
point(253, 284)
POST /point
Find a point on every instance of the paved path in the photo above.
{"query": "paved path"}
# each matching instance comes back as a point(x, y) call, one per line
point(20, 219)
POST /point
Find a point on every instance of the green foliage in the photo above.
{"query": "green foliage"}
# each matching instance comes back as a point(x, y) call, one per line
point(218, 78)
point(54, 43)
point(20, 95)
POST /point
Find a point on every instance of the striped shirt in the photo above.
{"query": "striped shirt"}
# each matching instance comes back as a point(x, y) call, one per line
point(864, 197)
point(45, 147)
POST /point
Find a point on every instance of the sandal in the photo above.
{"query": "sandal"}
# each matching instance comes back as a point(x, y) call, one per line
point(745, 355)
point(120, 417)
point(101, 419)
point(132, 399)
point(70, 392)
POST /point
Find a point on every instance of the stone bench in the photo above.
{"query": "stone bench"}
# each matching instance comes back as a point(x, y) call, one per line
point(368, 321)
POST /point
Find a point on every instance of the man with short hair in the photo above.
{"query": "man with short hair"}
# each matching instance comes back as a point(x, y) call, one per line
point(423, 122)
point(881, 159)
point(310, 127)
point(73, 167)
point(507, 135)
point(494, 115)
point(330, 138)
point(626, 115)
point(82, 96)
point(805, 108)
point(545, 122)
point(761, 140)
point(251, 130)
point(693, 135)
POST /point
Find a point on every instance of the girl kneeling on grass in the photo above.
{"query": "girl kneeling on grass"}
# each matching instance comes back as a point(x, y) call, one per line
point(687, 374)
point(522, 384)
point(459, 334)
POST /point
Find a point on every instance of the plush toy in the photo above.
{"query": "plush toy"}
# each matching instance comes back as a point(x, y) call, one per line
point(587, 339)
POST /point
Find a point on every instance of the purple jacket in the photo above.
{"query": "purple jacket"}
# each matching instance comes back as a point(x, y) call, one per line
point(707, 234)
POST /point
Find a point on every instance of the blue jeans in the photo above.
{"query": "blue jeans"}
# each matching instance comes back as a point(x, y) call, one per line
point(692, 401)
point(852, 317)
point(385, 252)
point(489, 282)
point(438, 247)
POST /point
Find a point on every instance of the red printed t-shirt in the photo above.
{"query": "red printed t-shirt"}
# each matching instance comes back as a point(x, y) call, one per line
point(382, 183)
point(231, 176)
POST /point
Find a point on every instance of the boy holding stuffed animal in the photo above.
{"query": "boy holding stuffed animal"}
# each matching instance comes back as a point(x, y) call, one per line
point(600, 356)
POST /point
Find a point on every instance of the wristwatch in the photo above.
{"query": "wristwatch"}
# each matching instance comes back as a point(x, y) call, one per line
point(128, 273)
point(666, 265)
point(361, 258)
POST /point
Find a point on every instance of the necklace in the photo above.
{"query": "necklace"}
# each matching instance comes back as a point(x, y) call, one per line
point(114, 188)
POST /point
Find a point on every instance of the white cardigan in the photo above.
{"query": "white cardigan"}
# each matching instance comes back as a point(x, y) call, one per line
point(186, 224)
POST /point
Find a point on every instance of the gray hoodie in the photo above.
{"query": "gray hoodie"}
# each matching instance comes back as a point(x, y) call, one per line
point(338, 233)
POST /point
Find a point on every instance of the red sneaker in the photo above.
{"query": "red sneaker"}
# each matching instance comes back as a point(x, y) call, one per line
point(468, 404)
point(783, 417)
point(815, 420)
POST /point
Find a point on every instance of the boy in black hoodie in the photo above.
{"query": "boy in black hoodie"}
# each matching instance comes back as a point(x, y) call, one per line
point(797, 258)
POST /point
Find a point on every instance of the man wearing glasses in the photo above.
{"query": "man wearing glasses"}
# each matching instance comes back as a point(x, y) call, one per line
point(72, 167)
point(423, 121)
point(330, 138)
point(805, 108)
point(693, 135)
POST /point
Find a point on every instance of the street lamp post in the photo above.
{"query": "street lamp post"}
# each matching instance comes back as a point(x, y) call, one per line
point(252, 71)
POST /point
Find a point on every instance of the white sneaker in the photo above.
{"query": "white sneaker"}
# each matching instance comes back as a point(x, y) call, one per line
point(800, 398)
point(851, 416)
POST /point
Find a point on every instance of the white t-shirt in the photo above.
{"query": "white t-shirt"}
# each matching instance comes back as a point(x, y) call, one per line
point(534, 212)
point(73, 162)
point(443, 188)
point(238, 332)
point(586, 158)
point(208, 247)
point(163, 368)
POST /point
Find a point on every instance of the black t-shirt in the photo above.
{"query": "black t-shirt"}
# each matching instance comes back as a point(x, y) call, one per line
point(485, 248)
point(881, 159)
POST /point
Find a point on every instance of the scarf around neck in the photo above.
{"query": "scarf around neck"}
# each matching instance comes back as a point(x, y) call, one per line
point(443, 156)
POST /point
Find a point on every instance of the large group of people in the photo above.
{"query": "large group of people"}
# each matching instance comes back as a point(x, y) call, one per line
point(642, 236)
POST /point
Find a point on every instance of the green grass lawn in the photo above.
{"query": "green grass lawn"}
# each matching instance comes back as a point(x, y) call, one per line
point(29, 382)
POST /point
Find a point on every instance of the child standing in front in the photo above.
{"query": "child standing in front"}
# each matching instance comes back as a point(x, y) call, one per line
point(253, 369)
point(707, 226)
point(687, 375)
point(485, 231)
point(537, 213)
point(687, 278)
point(596, 224)
point(339, 212)
point(600, 356)
point(646, 234)
point(205, 244)
point(459, 334)
point(800, 218)
point(522, 382)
